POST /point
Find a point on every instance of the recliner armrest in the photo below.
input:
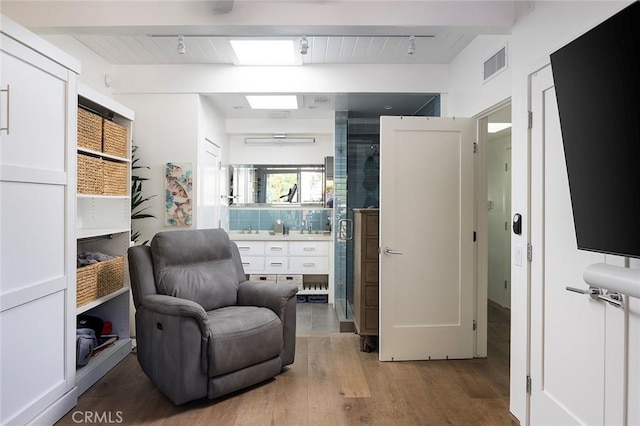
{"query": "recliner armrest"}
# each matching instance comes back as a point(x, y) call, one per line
point(175, 306)
point(272, 296)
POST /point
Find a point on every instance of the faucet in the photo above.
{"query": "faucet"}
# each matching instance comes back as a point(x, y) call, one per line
point(248, 227)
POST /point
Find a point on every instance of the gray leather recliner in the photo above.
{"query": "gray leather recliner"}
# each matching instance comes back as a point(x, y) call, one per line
point(202, 329)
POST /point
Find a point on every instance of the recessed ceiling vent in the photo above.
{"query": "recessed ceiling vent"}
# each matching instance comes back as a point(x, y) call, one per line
point(321, 100)
point(495, 63)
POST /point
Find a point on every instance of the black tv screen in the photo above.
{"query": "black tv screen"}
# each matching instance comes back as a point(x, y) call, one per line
point(597, 83)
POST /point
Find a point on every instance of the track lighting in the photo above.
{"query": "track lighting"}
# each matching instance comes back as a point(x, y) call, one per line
point(180, 48)
point(412, 45)
point(304, 45)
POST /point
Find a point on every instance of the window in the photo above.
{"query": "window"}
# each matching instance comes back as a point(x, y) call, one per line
point(299, 184)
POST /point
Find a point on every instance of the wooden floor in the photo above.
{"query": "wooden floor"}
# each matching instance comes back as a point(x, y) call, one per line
point(331, 383)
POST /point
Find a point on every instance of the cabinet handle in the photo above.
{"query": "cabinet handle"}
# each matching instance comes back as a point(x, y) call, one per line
point(245, 263)
point(309, 264)
point(276, 248)
point(244, 248)
point(8, 90)
point(276, 263)
point(309, 248)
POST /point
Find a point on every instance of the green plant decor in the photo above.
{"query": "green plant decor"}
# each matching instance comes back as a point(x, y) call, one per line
point(137, 200)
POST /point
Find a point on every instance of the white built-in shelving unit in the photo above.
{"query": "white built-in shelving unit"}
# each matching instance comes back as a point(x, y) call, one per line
point(103, 224)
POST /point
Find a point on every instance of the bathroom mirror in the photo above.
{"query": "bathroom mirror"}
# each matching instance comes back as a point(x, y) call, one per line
point(286, 185)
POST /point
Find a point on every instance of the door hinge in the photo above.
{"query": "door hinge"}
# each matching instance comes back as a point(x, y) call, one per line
point(529, 252)
point(506, 167)
point(530, 120)
point(505, 283)
point(529, 385)
point(474, 236)
point(475, 147)
point(506, 226)
point(475, 325)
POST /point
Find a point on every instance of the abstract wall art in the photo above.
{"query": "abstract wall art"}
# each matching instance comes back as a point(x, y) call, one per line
point(178, 206)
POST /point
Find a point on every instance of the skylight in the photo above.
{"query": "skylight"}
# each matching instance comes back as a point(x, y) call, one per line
point(264, 52)
point(272, 101)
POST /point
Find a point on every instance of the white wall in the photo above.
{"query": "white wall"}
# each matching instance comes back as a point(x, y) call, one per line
point(166, 130)
point(468, 94)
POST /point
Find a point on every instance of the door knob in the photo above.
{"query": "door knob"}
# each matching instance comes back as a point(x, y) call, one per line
point(387, 250)
point(593, 292)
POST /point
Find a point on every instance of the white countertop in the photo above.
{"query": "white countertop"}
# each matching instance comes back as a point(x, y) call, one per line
point(292, 236)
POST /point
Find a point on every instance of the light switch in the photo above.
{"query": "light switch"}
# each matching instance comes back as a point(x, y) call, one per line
point(518, 256)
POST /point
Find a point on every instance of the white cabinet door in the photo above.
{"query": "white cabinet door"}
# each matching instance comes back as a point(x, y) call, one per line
point(309, 248)
point(250, 248)
point(37, 262)
point(36, 89)
point(276, 265)
point(276, 248)
point(309, 264)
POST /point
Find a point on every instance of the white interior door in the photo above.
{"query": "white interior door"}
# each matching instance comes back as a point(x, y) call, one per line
point(567, 329)
point(209, 205)
point(426, 238)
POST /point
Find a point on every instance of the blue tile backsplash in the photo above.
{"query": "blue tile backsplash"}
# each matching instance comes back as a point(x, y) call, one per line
point(264, 219)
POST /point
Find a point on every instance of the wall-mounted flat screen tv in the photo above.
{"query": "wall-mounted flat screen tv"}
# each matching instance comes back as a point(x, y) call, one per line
point(597, 83)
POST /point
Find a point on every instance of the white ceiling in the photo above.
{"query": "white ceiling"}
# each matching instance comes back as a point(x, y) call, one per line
point(343, 32)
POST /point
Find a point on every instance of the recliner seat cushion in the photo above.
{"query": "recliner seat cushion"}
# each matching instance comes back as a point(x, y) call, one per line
point(196, 266)
point(242, 336)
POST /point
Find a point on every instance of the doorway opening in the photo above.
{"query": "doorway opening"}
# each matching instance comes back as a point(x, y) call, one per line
point(495, 221)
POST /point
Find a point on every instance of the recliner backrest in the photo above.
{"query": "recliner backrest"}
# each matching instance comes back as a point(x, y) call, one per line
point(196, 265)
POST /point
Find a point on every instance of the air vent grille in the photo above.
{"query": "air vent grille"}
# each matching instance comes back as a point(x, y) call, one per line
point(495, 63)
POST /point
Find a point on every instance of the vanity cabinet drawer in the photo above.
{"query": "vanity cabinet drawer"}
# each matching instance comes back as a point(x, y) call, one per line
point(250, 248)
point(309, 248)
point(309, 265)
point(276, 265)
point(252, 264)
point(276, 248)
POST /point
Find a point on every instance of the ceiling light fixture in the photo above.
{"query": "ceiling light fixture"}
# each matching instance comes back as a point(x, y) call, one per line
point(412, 45)
point(304, 45)
point(180, 48)
point(279, 139)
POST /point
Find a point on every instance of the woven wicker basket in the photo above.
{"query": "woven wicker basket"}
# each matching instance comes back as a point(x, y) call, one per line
point(114, 139)
point(89, 130)
point(87, 284)
point(110, 276)
point(98, 280)
point(116, 179)
point(90, 175)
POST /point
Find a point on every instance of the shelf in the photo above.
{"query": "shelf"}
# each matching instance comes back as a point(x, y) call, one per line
point(103, 155)
point(98, 302)
point(98, 232)
point(103, 197)
point(102, 363)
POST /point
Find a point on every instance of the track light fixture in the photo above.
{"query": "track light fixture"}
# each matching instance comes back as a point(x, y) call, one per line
point(412, 45)
point(304, 45)
point(180, 48)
